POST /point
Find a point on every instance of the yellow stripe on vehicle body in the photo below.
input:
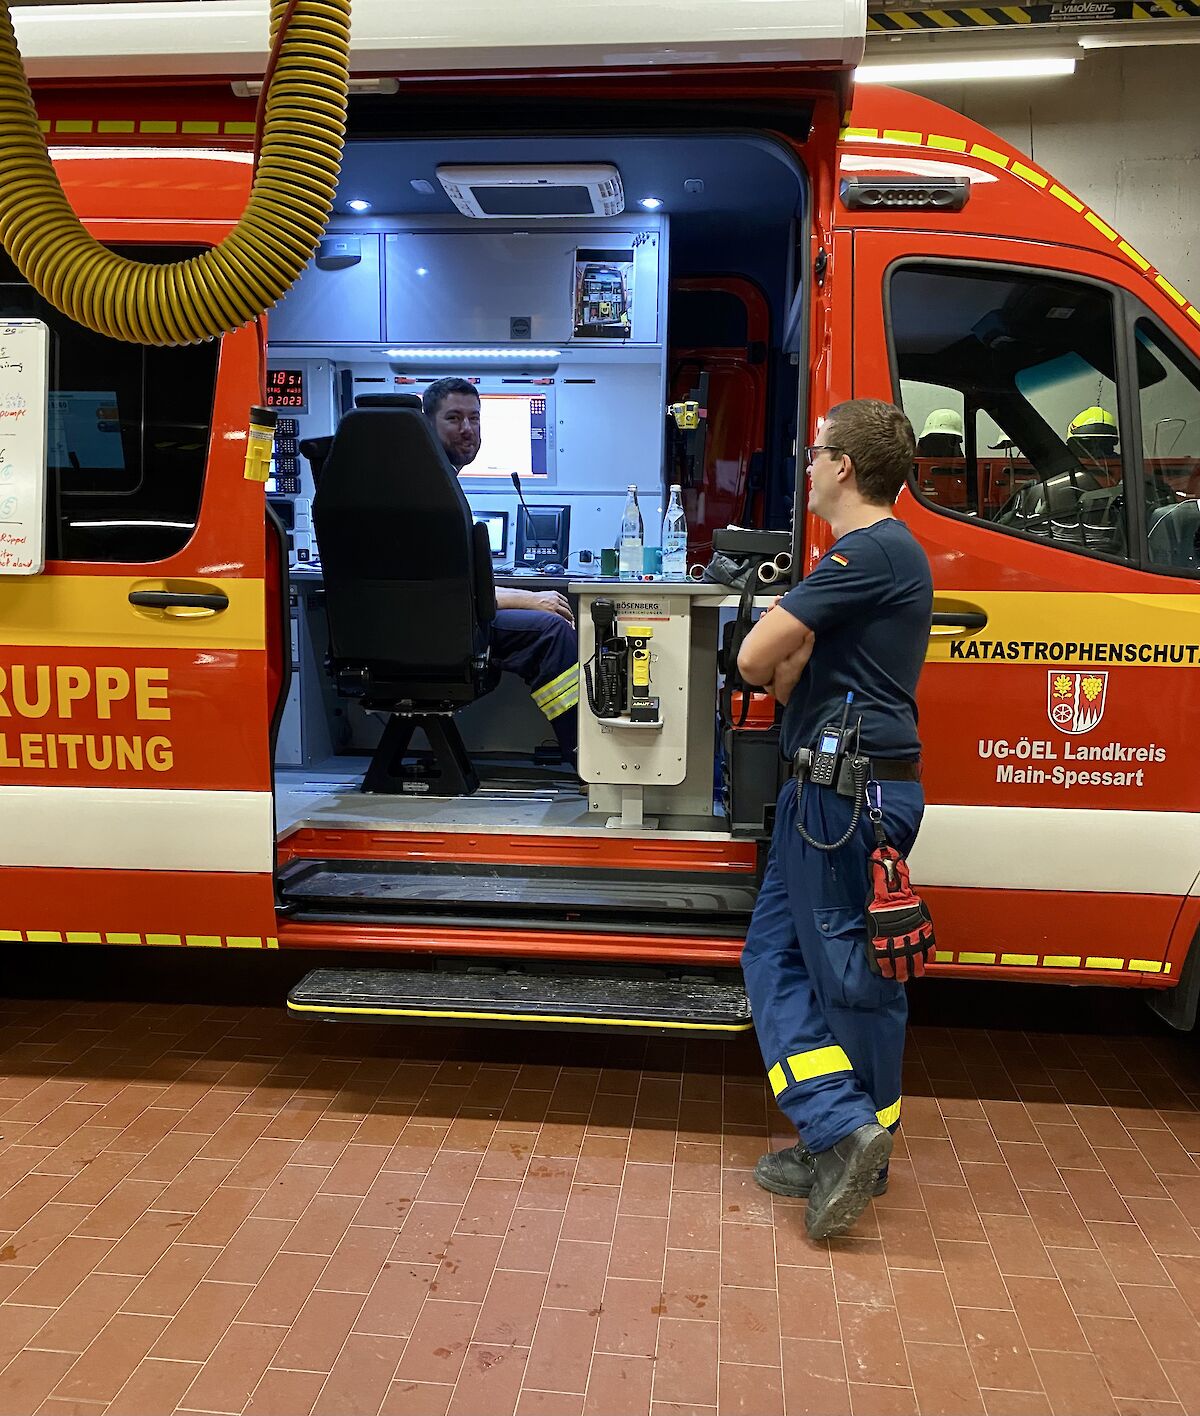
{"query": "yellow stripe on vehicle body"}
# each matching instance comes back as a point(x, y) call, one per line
point(1068, 617)
point(1096, 963)
point(194, 941)
point(942, 142)
point(461, 1015)
point(93, 611)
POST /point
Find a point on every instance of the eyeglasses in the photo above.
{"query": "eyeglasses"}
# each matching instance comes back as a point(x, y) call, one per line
point(810, 453)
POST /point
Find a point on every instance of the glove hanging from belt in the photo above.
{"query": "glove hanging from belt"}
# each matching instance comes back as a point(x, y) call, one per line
point(900, 938)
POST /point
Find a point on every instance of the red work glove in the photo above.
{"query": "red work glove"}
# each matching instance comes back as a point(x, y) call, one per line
point(899, 929)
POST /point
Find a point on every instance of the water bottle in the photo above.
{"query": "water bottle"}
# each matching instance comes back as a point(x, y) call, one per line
point(674, 538)
point(630, 563)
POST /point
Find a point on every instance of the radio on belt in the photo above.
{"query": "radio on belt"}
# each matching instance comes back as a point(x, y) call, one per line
point(825, 762)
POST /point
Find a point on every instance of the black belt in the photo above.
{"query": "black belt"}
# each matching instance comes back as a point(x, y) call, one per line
point(883, 769)
point(896, 769)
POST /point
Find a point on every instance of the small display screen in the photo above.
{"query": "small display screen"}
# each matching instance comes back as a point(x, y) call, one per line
point(497, 529)
point(84, 431)
point(285, 388)
point(829, 742)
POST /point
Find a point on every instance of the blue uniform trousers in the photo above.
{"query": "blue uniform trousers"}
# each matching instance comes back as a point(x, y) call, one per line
point(543, 649)
point(831, 1031)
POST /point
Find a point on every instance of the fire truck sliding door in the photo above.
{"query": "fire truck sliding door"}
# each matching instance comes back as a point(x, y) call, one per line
point(135, 777)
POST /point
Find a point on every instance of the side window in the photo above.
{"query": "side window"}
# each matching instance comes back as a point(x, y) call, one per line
point(1169, 392)
point(936, 413)
point(1018, 373)
point(127, 435)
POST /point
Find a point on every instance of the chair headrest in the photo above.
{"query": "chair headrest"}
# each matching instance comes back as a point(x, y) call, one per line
point(316, 450)
point(387, 400)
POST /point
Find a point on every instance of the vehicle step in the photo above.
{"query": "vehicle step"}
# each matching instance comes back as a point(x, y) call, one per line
point(597, 1001)
point(692, 902)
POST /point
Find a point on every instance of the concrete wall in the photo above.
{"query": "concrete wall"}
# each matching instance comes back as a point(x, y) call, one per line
point(1123, 133)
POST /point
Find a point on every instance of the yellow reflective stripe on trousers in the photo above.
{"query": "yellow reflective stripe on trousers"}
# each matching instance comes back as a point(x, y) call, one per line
point(560, 694)
point(566, 700)
point(820, 1062)
point(776, 1076)
point(889, 1115)
point(568, 678)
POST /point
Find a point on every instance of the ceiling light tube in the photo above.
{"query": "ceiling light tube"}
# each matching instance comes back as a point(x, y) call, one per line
point(467, 354)
point(1140, 41)
point(933, 71)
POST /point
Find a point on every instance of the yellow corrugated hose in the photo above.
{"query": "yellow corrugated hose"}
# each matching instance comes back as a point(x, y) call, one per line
point(225, 287)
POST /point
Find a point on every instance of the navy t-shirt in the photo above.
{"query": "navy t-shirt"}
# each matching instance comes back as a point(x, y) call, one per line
point(869, 601)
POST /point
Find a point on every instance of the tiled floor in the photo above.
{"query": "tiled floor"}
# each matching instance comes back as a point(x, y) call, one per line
point(219, 1210)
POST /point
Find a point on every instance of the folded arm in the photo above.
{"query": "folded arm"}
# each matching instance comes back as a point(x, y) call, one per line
point(775, 652)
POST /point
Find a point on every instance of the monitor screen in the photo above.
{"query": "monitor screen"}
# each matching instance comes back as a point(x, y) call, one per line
point(497, 529)
point(543, 536)
point(514, 436)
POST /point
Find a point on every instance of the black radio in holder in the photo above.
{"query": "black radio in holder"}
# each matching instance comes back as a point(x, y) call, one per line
point(608, 692)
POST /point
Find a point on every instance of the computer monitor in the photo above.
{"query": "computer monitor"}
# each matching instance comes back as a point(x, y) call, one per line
point(516, 435)
point(497, 529)
point(543, 536)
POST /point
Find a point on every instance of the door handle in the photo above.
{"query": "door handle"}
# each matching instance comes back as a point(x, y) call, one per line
point(959, 619)
point(181, 604)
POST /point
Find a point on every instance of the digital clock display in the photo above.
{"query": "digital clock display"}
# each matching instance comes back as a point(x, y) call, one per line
point(285, 388)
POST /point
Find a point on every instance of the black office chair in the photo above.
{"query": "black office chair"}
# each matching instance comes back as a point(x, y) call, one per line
point(408, 592)
point(315, 451)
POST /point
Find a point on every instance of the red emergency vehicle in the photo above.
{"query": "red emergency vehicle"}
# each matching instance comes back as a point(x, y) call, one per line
point(143, 673)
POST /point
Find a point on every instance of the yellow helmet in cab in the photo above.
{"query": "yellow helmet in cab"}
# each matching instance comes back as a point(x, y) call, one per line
point(1093, 422)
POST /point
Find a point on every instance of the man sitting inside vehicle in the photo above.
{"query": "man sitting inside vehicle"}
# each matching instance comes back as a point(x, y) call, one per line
point(533, 634)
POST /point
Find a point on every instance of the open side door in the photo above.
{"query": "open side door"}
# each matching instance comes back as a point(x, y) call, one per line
point(135, 776)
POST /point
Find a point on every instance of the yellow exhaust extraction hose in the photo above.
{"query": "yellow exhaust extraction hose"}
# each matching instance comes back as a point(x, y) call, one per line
point(221, 289)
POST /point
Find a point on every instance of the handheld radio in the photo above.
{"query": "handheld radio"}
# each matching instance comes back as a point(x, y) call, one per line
point(609, 692)
point(831, 747)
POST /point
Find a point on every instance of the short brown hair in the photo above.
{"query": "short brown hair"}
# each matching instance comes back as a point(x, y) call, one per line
point(441, 389)
point(879, 440)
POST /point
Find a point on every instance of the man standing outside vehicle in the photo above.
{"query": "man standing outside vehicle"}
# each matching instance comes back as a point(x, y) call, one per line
point(533, 634)
point(831, 1030)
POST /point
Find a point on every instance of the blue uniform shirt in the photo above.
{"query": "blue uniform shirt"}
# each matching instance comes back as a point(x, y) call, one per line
point(869, 602)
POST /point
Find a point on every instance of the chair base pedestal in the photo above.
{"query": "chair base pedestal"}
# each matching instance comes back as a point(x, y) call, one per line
point(448, 774)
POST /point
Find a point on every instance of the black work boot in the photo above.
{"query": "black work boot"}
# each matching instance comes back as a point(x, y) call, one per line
point(844, 1177)
point(790, 1172)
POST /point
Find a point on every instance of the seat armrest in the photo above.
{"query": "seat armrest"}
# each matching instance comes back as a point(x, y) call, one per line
point(485, 585)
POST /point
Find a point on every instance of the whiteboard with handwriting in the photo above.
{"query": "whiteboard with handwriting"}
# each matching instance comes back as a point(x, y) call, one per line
point(24, 349)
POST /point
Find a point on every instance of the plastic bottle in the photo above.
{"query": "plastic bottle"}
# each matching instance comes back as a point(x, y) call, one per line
point(674, 538)
point(630, 562)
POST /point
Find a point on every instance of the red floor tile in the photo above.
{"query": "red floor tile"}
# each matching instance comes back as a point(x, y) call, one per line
point(260, 1216)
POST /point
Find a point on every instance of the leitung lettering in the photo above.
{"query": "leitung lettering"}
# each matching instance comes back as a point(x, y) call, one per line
point(70, 693)
point(1058, 651)
point(102, 752)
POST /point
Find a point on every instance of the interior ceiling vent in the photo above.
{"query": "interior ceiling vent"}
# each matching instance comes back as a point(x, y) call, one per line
point(498, 190)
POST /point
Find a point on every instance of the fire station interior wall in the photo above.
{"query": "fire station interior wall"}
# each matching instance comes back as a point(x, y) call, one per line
point(1121, 133)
